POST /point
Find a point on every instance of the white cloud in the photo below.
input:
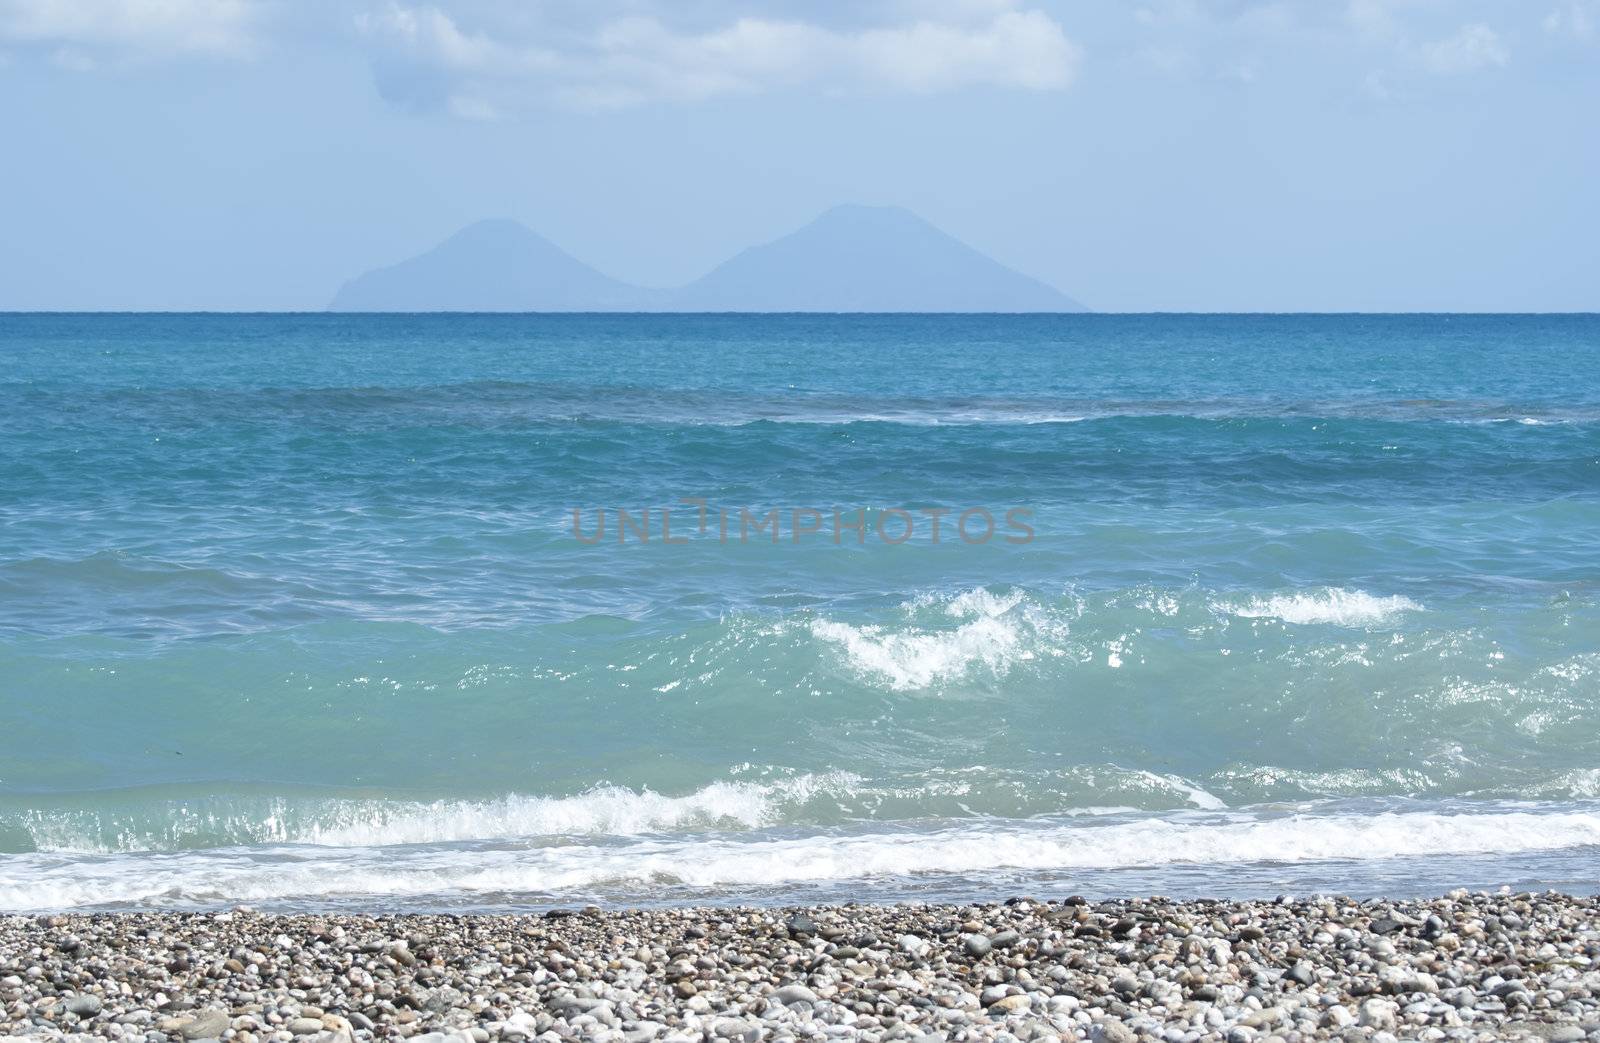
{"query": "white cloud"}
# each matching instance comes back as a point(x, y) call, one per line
point(1375, 20)
point(79, 34)
point(429, 57)
point(1383, 48)
point(1577, 19)
point(1469, 49)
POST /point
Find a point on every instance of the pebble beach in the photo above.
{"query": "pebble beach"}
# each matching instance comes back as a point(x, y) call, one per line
point(1461, 967)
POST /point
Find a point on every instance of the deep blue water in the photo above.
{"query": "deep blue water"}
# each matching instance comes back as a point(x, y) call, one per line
point(292, 609)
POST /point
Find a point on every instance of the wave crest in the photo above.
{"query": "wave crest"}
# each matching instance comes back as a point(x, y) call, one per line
point(656, 869)
point(601, 811)
point(1335, 605)
point(949, 638)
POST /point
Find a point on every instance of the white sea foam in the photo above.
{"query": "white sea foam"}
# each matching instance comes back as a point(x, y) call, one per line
point(1341, 782)
point(751, 799)
point(601, 811)
point(919, 659)
point(994, 633)
point(608, 810)
point(1579, 783)
point(936, 418)
point(1183, 787)
point(1349, 608)
point(729, 864)
point(978, 603)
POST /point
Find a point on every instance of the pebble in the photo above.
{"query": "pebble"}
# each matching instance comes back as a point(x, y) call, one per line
point(801, 925)
point(205, 1025)
point(1465, 968)
point(84, 1005)
point(791, 994)
point(1113, 1032)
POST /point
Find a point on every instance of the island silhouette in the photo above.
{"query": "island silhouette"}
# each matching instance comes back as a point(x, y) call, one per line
point(851, 258)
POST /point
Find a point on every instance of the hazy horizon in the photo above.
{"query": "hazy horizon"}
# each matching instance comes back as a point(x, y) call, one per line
point(1174, 156)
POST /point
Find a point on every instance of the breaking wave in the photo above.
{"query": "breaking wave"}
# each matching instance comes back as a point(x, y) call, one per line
point(874, 861)
point(1346, 608)
point(948, 638)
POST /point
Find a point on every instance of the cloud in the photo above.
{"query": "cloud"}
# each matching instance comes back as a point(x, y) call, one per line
point(81, 34)
point(1384, 49)
point(1375, 20)
point(1471, 48)
point(1376, 86)
point(428, 57)
point(1577, 19)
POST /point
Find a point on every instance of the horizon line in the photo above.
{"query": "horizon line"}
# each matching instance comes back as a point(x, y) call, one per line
point(704, 314)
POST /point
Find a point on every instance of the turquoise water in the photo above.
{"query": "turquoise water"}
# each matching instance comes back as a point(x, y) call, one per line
point(292, 610)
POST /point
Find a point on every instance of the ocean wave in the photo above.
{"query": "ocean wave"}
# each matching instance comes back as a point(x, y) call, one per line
point(1335, 605)
point(972, 632)
point(498, 402)
point(710, 867)
point(602, 810)
point(909, 660)
point(749, 799)
point(607, 810)
point(981, 634)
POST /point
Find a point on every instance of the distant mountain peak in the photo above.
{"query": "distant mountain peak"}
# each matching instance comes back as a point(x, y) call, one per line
point(496, 264)
point(869, 259)
point(503, 223)
point(858, 211)
point(501, 230)
point(851, 258)
point(493, 228)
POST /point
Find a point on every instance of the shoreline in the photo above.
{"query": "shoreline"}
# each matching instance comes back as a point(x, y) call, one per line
point(1460, 967)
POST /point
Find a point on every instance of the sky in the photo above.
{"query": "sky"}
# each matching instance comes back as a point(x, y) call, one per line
point(1140, 155)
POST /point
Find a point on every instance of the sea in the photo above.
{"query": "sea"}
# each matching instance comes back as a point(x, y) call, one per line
point(510, 612)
